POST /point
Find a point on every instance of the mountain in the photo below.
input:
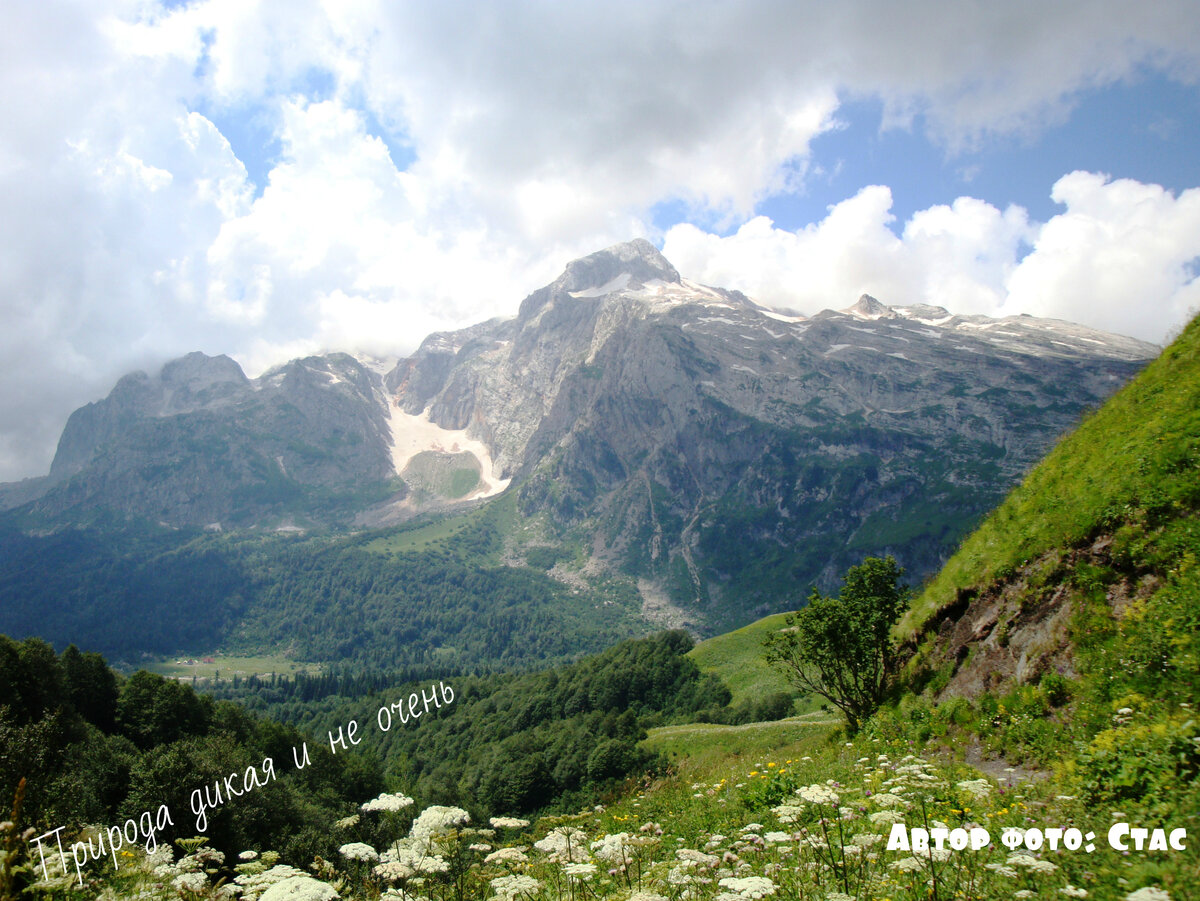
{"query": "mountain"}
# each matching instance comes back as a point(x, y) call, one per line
point(202, 444)
point(722, 454)
point(728, 454)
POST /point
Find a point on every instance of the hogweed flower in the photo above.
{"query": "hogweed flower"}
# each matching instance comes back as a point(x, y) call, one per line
point(508, 823)
point(752, 887)
point(388, 802)
point(300, 888)
point(510, 887)
point(359, 851)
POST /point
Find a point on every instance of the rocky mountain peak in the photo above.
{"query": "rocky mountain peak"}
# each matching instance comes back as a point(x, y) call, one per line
point(633, 263)
point(198, 370)
point(870, 308)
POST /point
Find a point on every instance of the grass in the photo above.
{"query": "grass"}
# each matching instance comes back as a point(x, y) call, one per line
point(737, 658)
point(439, 529)
point(461, 482)
point(415, 538)
point(802, 819)
point(704, 743)
point(228, 667)
point(1139, 455)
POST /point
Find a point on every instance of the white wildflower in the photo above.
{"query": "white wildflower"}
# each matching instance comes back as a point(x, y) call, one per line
point(1072, 892)
point(1002, 870)
point(388, 802)
point(692, 856)
point(681, 874)
point(1148, 893)
point(580, 870)
point(611, 847)
point(818, 794)
point(438, 820)
point(563, 843)
point(300, 888)
point(255, 884)
point(248, 855)
point(513, 886)
point(749, 886)
point(392, 870)
point(359, 851)
point(508, 823)
point(907, 865)
point(513, 855)
point(399, 894)
point(773, 837)
point(190, 882)
point(350, 821)
point(787, 813)
point(976, 788)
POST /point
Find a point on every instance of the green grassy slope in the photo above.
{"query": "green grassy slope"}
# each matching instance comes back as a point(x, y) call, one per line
point(1135, 461)
point(737, 659)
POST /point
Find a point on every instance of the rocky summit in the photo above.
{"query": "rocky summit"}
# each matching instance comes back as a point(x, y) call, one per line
point(718, 452)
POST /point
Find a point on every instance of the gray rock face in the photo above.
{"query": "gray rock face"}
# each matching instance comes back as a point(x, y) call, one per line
point(737, 455)
point(201, 444)
point(729, 454)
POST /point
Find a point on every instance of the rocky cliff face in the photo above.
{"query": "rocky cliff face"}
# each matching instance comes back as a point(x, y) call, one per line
point(201, 444)
point(726, 454)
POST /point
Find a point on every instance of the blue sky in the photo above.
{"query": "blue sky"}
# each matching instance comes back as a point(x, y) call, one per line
point(281, 177)
point(1146, 128)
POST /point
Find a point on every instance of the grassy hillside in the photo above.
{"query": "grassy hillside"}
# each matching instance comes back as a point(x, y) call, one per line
point(1132, 467)
point(736, 658)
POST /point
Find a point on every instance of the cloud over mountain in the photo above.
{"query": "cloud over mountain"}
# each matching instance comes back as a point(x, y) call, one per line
point(271, 179)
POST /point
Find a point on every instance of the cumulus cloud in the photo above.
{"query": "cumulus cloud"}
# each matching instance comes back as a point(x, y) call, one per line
point(432, 163)
point(1120, 257)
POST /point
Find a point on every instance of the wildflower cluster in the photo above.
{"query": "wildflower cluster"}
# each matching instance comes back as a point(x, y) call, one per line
point(793, 830)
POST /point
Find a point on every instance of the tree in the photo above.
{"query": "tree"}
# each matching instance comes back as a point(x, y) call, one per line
point(841, 648)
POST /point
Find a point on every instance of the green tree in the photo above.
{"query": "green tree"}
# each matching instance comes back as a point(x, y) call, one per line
point(841, 647)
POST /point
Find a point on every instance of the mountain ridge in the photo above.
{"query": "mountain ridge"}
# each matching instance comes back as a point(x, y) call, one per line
point(723, 454)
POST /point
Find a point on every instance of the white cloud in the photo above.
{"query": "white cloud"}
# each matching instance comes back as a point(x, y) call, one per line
point(1120, 257)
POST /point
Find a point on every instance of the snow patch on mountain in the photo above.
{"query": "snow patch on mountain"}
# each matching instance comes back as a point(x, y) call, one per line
point(412, 435)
